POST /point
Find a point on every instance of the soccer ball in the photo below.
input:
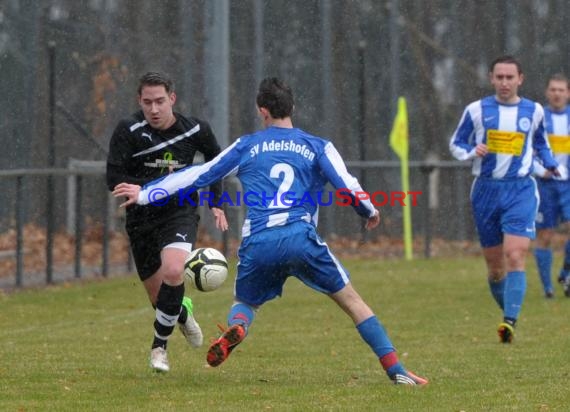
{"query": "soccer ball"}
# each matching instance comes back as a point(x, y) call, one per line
point(206, 269)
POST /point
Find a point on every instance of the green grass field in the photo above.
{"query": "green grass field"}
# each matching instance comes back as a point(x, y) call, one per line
point(84, 347)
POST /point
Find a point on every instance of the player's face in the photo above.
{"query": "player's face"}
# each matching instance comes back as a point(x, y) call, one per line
point(156, 105)
point(557, 94)
point(506, 80)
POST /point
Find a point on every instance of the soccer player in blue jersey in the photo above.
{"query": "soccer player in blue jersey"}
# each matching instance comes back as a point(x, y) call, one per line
point(554, 191)
point(499, 134)
point(287, 169)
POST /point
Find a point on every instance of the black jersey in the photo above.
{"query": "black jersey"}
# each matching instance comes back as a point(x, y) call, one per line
point(138, 154)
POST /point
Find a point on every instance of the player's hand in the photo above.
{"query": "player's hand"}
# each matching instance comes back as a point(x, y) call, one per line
point(481, 150)
point(554, 171)
point(220, 218)
point(547, 174)
point(563, 170)
point(373, 221)
point(130, 191)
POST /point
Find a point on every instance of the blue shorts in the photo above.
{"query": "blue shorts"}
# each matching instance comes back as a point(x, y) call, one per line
point(504, 206)
point(268, 258)
point(554, 203)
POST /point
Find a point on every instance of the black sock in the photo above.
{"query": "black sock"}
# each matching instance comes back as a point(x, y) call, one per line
point(168, 306)
point(183, 315)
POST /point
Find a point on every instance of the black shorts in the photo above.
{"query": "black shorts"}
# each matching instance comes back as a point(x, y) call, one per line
point(147, 241)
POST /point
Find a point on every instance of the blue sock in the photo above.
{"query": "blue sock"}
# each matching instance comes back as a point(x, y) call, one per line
point(515, 289)
point(566, 267)
point(544, 263)
point(373, 333)
point(498, 291)
point(241, 314)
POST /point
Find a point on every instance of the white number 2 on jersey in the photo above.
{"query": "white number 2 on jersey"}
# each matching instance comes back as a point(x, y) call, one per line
point(278, 170)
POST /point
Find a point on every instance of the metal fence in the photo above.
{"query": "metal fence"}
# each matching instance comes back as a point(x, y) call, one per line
point(25, 184)
point(76, 199)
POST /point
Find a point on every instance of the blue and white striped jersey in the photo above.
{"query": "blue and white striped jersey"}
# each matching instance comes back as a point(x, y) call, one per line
point(511, 132)
point(558, 130)
point(283, 172)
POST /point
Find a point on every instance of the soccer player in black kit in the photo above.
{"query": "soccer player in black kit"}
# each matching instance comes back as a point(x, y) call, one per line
point(145, 146)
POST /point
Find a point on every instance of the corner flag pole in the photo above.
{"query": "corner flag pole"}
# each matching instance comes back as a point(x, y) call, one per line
point(399, 143)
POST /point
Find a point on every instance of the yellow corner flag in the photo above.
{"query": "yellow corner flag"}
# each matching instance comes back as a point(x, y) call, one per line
point(399, 133)
point(399, 143)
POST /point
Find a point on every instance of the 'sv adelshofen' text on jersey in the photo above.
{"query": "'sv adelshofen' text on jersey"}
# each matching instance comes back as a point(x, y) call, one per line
point(283, 146)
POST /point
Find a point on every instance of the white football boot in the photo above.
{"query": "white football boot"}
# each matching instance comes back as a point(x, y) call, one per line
point(159, 360)
point(191, 329)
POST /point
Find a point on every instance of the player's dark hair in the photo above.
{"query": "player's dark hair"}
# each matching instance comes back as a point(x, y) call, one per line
point(275, 96)
point(558, 77)
point(505, 59)
point(155, 79)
